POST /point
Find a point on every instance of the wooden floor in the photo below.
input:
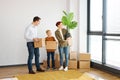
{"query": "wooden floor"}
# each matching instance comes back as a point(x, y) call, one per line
point(7, 72)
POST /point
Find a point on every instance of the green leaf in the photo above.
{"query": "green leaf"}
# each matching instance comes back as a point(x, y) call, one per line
point(64, 20)
point(73, 25)
point(67, 20)
point(70, 16)
point(65, 13)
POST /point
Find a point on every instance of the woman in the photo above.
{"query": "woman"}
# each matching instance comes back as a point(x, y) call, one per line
point(63, 37)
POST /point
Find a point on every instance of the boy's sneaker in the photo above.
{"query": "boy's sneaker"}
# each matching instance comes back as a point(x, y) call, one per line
point(61, 68)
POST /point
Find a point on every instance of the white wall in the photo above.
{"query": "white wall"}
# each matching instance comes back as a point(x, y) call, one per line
point(15, 15)
point(74, 7)
point(83, 26)
point(79, 34)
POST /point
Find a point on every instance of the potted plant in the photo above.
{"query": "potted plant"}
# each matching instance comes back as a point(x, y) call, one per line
point(67, 20)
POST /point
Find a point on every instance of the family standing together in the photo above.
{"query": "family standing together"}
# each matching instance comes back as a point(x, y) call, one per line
point(62, 35)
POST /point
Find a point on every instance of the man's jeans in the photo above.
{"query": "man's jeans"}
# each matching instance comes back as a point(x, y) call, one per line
point(33, 51)
point(64, 50)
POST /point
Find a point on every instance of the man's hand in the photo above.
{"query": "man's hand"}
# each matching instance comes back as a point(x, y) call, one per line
point(36, 39)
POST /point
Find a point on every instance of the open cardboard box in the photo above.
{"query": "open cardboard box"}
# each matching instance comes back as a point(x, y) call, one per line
point(40, 43)
point(51, 44)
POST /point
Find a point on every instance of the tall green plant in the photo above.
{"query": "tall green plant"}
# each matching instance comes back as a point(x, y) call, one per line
point(67, 20)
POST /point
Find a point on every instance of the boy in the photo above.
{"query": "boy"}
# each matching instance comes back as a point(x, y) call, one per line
point(50, 52)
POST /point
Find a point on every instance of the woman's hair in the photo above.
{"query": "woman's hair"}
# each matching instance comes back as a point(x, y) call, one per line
point(58, 23)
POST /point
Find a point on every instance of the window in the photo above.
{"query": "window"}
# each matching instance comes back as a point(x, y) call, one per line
point(113, 52)
point(113, 27)
point(95, 40)
point(96, 47)
point(113, 16)
point(96, 15)
point(104, 31)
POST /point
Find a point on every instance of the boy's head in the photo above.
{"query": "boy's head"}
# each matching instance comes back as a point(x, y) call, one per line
point(59, 24)
point(48, 32)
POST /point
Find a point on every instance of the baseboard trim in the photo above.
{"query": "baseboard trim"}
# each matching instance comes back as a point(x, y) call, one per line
point(17, 65)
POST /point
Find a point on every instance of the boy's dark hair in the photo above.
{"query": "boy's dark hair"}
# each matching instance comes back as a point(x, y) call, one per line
point(58, 23)
point(36, 18)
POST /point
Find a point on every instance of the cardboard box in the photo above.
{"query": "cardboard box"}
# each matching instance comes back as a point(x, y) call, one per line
point(51, 44)
point(45, 63)
point(57, 63)
point(57, 57)
point(72, 64)
point(73, 55)
point(84, 56)
point(84, 64)
point(40, 43)
point(57, 60)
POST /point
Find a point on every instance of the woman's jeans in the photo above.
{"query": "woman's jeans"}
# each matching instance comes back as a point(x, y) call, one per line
point(64, 50)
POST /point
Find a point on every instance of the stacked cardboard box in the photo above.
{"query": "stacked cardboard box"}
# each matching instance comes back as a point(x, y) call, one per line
point(84, 62)
point(72, 64)
point(73, 60)
point(39, 43)
point(57, 60)
point(45, 63)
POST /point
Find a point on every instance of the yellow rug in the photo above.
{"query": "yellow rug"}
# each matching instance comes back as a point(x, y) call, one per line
point(56, 75)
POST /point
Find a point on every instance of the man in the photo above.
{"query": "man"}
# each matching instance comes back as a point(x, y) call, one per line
point(63, 37)
point(31, 36)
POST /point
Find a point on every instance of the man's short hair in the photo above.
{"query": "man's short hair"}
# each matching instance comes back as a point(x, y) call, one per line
point(36, 18)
